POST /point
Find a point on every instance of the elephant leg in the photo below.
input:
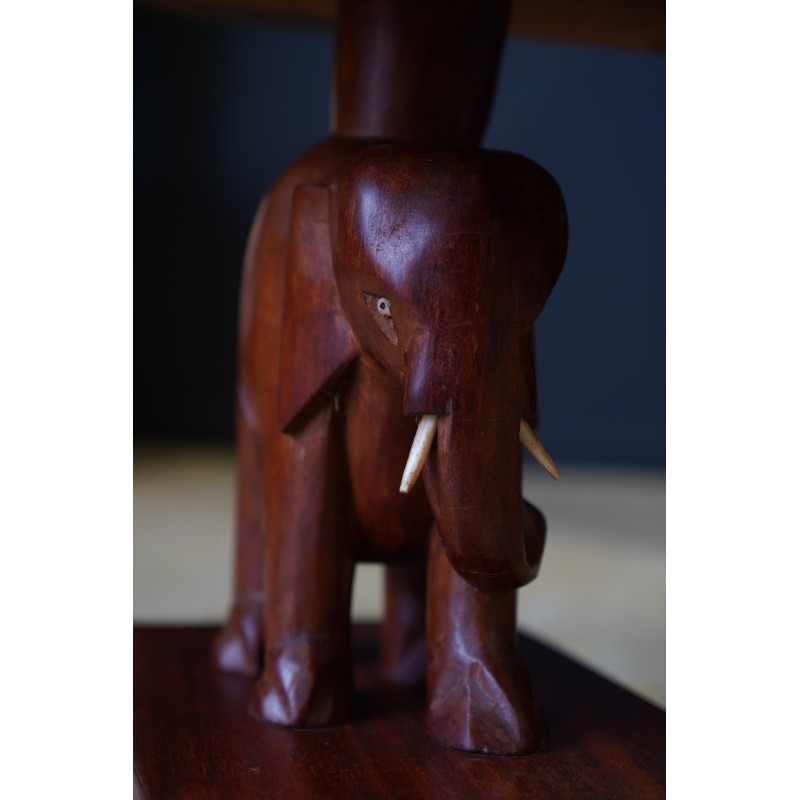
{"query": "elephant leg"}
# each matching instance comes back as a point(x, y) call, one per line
point(478, 687)
point(307, 675)
point(403, 632)
point(237, 647)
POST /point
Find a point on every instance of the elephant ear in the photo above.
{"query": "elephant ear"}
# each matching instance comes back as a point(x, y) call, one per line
point(317, 345)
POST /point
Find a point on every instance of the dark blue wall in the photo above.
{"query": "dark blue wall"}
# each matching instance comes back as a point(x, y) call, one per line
point(595, 119)
point(220, 109)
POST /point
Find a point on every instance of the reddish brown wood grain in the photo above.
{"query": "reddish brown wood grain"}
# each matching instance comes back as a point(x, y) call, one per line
point(461, 247)
point(622, 23)
point(417, 71)
point(467, 246)
point(194, 739)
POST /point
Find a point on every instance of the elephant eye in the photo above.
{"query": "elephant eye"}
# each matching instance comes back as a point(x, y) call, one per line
point(380, 309)
point(384, 307)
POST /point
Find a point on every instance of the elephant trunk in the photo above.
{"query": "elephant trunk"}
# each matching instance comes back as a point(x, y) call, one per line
point(493, 539)
point(472, 473)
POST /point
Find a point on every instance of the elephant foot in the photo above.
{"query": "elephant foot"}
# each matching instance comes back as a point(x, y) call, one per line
point(237, 646)
point(306, 683)
point(482, 708)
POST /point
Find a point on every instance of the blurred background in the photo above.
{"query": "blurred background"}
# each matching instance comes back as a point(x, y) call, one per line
point(221, 107)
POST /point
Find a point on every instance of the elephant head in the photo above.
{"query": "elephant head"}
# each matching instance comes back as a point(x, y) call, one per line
point(440, 261)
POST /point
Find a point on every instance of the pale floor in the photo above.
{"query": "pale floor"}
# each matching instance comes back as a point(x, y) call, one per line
point(600, 595)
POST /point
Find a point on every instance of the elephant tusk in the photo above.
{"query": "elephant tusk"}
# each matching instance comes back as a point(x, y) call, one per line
point(426, 430)
point(532, 444)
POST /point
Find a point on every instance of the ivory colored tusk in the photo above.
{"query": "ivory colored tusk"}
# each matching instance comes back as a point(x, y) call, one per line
point(532, 444)
point(426, 430)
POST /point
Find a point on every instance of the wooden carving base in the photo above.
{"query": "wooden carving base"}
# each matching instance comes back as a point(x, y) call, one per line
point(194, 739)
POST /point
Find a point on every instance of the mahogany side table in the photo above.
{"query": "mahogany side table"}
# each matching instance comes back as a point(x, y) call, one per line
point(193, 737)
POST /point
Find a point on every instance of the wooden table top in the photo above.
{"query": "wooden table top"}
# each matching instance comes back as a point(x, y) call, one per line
point(194, 739)
point(619, 23)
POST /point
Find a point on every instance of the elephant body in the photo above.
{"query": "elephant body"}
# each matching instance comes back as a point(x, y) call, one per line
point(464, 246)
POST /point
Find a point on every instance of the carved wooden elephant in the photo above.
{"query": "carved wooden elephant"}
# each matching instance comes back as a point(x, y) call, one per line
point(385, 284)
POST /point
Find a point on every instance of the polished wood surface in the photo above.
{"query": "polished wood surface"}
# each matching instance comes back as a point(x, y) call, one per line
point(417, 71)
point(395, 270)
point(466, 246)
point(194, 739)
point(622, 23)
